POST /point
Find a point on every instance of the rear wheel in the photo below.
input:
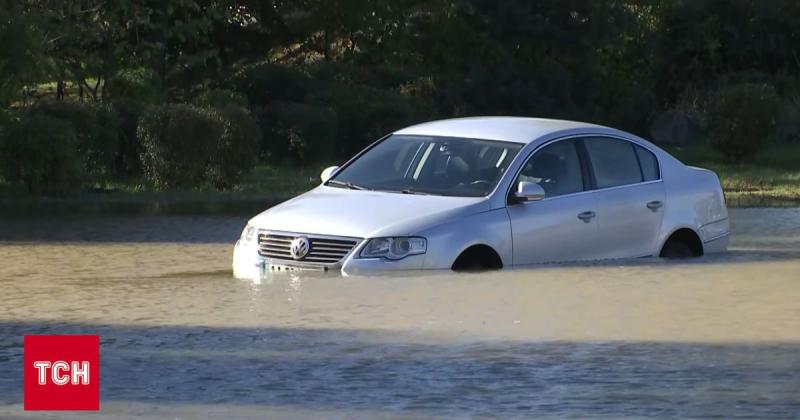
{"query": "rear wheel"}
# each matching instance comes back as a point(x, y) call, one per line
point(682, 244)
point(676, 249)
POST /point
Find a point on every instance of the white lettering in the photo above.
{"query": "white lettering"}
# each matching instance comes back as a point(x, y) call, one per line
point(60, 372)
point(80, 370)
point(58, 378)
point(42, 368)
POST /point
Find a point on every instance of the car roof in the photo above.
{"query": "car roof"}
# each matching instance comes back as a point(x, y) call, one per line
point(512, 129)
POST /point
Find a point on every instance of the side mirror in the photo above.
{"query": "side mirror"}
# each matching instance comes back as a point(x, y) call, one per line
point(327, 172)
point(528, 191)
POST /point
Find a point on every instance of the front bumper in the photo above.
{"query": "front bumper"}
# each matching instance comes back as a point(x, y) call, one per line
point(248, 264)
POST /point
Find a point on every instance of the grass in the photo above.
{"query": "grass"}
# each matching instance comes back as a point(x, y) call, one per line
point(263, 187)
point(281, 181)
point(772, 179)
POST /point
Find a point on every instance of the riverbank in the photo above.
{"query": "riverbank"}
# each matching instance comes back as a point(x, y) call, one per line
point(771, 180)
point(263, 187)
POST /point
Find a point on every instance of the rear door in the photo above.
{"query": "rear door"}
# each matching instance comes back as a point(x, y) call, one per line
point(630, 196)
point(562, 226)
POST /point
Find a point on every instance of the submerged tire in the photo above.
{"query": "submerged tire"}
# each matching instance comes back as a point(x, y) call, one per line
point(676, 250)
point(478, 258)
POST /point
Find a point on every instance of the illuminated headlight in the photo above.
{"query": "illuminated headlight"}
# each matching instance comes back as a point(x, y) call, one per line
point(394, 248)
point(248, 234)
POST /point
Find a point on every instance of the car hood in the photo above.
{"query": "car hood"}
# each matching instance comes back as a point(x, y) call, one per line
point(364, 214)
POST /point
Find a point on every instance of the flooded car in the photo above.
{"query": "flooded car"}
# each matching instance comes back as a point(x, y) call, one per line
point(488, 193)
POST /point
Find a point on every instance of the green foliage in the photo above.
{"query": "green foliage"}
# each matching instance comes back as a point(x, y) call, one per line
point(742, 120)
point(140, 84)
point(264, 83)
point(237, 148)
point(96, 128)
point(177, 144)
point(127, 164)
point(220, 98)
point(40, 153)
point(788, 125)
point(696, 42)
point(321, 79)
point(364, 115)
point(23, 46)
point(305, 131)
point(189, 146)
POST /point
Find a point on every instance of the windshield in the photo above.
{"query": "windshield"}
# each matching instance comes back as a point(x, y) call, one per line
point(429, 165)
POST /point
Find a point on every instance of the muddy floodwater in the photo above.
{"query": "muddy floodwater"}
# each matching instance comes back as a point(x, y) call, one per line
point(716, 336)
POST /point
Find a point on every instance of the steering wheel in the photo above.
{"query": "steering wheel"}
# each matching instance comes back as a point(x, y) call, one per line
point(481, 182)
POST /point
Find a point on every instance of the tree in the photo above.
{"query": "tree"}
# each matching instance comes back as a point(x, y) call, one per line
point(23, 49)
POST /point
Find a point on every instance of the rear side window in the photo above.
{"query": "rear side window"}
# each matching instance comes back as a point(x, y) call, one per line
point(614, 162)
point(649, 163)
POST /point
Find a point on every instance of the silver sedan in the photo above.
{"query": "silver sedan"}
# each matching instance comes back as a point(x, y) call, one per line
point(490, 193)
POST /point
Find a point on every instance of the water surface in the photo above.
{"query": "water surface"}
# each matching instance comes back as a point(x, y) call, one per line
point(717, 336)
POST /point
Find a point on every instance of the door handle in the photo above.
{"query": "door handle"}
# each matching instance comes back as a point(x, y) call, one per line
point(654, 205)
point(586, 216)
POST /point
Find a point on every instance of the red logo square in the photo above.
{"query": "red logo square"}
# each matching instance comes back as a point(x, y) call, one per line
point(62, 372)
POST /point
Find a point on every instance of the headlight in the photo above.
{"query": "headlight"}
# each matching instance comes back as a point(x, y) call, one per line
point(248, 234)
point(394, 248)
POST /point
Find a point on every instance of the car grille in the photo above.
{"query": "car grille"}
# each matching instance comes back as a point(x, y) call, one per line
point(323, 250)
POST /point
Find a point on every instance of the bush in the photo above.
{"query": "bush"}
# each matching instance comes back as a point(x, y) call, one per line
point(742, 120)
point(364, 114)
point(140, 84)
point(788, 126)
point(220, 98)
point(96, 128)
point(177, 144)
point(188, 146)
point(305, 131)
point(40, 153)
point(237, 148)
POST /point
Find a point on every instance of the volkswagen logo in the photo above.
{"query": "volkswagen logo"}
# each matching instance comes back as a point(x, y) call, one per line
point(299, 248)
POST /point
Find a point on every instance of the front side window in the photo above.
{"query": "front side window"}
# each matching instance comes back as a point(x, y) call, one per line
point(429, 165)
point(613, 162)
point(556, 168)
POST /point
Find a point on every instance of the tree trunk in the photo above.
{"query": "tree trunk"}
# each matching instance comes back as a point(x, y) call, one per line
point(60, 89)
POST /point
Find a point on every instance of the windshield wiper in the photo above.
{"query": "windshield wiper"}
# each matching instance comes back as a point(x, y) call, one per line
point(407, 191)
point(347, 184)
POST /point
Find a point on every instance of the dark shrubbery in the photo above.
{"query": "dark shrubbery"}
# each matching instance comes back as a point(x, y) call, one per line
point(40, 153)
point(96, 128)
point(127, 164)
point(221, 98)
point(335, 122)
point(236, 150)
point(177, 143)
point(303, 131)
point(264, 83)
point(139, 84)
point(188, 146)
point(788, 125)
point(742, 120)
